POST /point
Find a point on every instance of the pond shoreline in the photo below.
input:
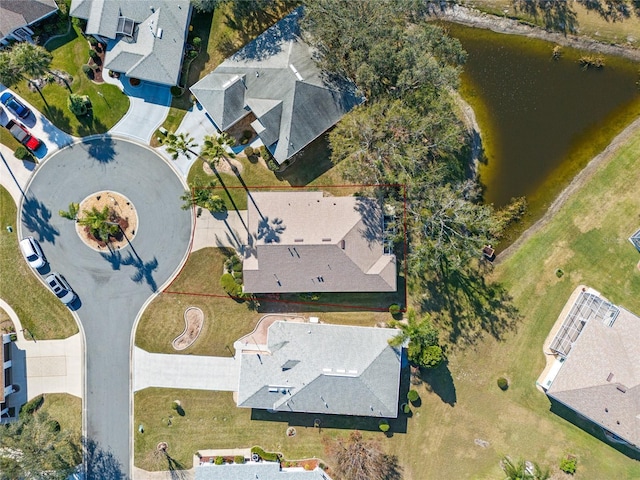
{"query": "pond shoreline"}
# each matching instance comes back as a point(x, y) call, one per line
point(475, 18)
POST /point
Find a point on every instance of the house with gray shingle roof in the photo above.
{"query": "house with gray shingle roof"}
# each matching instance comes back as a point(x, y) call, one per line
point(257, 470)
point(17, 15)
point(145, 40)
point(308, 242)
point(597, 371)
point(321, 368)
point(276, 82)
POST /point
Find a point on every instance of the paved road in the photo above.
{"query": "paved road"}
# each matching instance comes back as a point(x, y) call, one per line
point(111, 288)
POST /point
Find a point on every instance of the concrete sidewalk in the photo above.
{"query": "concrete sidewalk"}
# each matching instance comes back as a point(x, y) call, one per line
point(52, 366)
point(185, 371)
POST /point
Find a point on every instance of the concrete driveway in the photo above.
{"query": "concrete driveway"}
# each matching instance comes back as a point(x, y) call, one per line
point(149, 106)
point(185, 371)
point(228, 229)
point(112, 286)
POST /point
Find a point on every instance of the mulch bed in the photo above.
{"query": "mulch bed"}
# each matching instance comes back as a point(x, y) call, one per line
point(97, 72)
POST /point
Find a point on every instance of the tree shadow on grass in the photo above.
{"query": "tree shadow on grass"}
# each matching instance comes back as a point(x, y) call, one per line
point(591, 428)
point(468, 306)
point(439, 381)
point(58, 118)
point(310, 163)
point(99, 463)
point(90, 125)
point(36, 217)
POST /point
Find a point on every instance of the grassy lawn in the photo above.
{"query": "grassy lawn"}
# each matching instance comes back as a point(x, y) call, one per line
point(66, 409)
point(461, 402)
point(69, 54)
point(589, 23)
point(38, 309)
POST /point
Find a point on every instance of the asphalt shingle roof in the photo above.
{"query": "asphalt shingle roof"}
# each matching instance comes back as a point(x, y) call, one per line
point(19, 13)
point(600, 377)
point(306, 242)
point(277, 66)
point(340, 370)
point(157, 42)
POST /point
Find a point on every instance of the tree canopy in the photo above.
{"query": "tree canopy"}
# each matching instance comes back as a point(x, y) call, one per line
point(423, 349)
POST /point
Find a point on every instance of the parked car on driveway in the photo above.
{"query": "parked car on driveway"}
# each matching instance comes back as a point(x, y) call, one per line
point(32, 252)
point(61, 288)
point(21, 134)
point(14, 105)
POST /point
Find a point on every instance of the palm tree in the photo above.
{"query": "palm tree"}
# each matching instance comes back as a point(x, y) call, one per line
point(423, 349)
point(31, 60)
point(9, 72)
point(203, 196)
point(179, 144)
point(99, 223)
point(522, 470)
point(215, 148)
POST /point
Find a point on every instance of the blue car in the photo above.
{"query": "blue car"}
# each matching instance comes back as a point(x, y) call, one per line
point(15, 105)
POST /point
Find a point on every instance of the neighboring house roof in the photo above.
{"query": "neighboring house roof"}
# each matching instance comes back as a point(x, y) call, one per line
point(306, 242)
point(282, 85)
point(19, 13)
point(148, 37)
point(322, 368)
point(253, 470)
point(600, 376)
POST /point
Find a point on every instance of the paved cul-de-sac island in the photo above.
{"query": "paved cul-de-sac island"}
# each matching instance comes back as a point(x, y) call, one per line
point(112, 286)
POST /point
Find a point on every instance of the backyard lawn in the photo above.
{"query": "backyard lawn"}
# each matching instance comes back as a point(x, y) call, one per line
point(463, 412)
point(38, 309)
point(109, 103)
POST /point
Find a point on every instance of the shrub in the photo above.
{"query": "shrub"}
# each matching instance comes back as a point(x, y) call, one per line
point(406, 409)
point(273, 165)
point(503, 383)
point(559, 273)
point(174, 406)
point(87, 70)
point(268, 456)
point(432, 356)
point(412, 395)
point(238, 459)
point(176, 91)
point(196, 43)
point(22, 153)
point(248, 151)
point(569, 464)
point(264, 152)
point(230, 286)
point(218, 460)
point(247, 134)
point(94, 55)
point(93, 41)
point(394, 309)
point(192, 53)
point(31, 406)
point(77, 105)
point(383, 425)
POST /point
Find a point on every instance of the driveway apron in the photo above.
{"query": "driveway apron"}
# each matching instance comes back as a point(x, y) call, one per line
point(111, 286)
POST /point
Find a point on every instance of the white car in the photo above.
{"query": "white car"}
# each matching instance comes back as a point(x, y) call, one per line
point(32, 252)
point(61, 288)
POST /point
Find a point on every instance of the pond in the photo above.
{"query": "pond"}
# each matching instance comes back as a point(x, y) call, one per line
point(541, 119)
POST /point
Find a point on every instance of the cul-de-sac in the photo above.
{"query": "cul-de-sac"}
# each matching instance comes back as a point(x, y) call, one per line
point(319, 239)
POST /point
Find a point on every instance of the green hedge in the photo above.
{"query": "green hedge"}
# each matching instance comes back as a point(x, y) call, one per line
point(230, 286)
point(268, 456)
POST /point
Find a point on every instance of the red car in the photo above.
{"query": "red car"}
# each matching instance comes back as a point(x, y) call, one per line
point(21, 134)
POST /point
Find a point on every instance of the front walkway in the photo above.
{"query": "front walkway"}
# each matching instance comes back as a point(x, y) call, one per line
point(196, 124)
point(50, 366)
point(185, 371)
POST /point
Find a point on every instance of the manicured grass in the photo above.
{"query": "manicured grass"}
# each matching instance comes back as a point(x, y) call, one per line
point(69, 54)
point(66, 409)
point(590, 24)
point(38, 309)
point(212, 420)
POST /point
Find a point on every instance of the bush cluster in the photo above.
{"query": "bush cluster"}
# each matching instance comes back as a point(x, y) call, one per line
point(503, 383)
point(569, 464)
point(230, 286)
point(22, 153)
point(268, 456)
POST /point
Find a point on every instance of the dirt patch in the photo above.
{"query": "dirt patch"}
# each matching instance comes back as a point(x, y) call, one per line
point(224, 166)
point(121, 211)
point(193, 319)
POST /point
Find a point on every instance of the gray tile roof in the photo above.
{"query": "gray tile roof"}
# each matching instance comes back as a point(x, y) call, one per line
point(278, 66)
point(19, 13)
point(253, 471)
point(306, 242)
point(340, 369)
point(600, 378)
point(154, 53)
